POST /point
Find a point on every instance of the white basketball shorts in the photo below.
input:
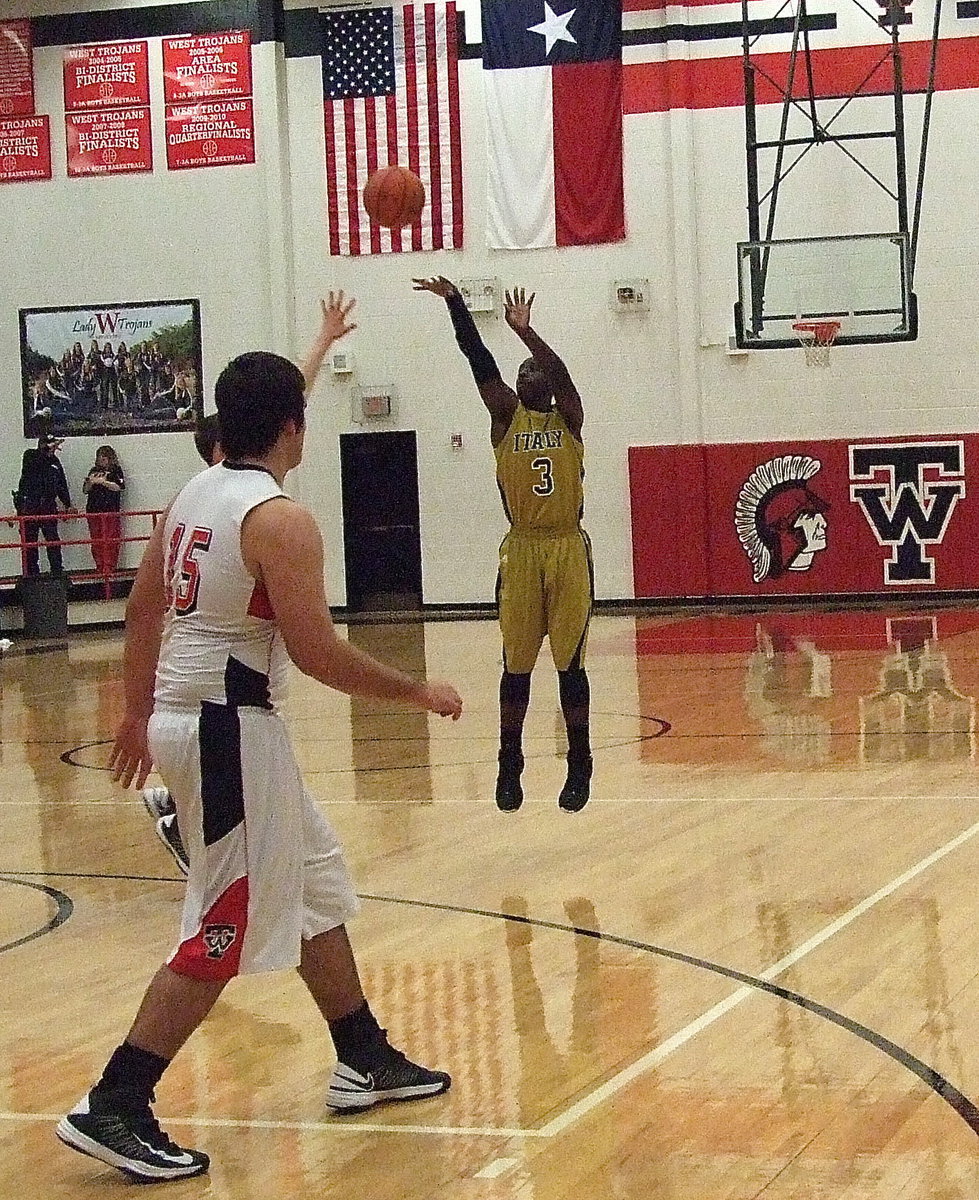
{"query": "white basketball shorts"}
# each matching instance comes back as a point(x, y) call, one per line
point(266, 868)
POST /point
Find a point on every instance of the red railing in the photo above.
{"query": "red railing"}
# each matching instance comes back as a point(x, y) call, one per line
point(17, 521)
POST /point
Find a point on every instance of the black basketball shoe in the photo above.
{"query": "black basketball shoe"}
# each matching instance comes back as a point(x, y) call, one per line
point(577, 787)
point(120, 1130)
point(159, 802)
point(388, 1076)
point(509, 793)
point(168, 831)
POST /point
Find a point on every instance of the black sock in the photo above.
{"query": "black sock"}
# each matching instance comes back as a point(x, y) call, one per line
point(356, 1036)
point(511, 745)
point(132, 1070)
point(579, 745)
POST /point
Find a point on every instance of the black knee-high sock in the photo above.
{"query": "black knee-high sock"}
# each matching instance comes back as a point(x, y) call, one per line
point(575, 696)
point(514, 699)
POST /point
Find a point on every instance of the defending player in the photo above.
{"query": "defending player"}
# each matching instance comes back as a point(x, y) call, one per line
point(229, 590)
point(334, 324)
point(545, 580)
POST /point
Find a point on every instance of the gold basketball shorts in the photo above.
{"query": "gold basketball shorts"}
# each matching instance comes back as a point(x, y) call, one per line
point(545, 587)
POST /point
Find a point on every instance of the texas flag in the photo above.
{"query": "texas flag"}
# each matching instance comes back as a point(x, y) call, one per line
point(552, 72)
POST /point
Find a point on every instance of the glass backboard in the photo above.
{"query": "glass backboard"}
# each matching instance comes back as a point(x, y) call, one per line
point(860, 280)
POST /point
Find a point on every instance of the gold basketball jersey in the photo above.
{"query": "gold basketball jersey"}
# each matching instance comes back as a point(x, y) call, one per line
point(539, 470)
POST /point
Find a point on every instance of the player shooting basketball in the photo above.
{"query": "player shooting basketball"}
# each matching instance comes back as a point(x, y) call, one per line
point(545, 579)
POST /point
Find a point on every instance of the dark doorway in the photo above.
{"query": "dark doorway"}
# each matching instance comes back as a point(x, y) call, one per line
point(381, 542)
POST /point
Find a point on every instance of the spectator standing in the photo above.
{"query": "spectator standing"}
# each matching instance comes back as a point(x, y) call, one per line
point(104, 486)
point(42, 484)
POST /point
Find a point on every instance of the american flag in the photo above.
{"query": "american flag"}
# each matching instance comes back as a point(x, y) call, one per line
point(391, 95)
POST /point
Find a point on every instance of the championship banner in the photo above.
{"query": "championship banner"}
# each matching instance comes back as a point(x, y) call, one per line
point(868, 515)
point(16, 69)
point(213, 133)
point(212, 65)
point(107, 75)
point(25, 149)
point(114, 142)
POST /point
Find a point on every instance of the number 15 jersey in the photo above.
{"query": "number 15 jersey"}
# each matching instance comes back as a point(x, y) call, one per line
point(539, 470)
point(220, 641)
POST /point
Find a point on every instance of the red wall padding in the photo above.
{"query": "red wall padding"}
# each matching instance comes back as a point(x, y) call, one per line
point(921, 492)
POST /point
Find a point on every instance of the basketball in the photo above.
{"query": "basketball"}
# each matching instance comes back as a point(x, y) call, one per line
point(394, 197)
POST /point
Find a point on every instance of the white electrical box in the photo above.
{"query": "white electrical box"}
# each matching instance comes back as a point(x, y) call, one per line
point(374, 402)
point(630, 295)
point(342, 362)
point(480, 295)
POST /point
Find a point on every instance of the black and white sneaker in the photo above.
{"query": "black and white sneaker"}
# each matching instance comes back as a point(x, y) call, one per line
point(159, 802)
point(390, 1077)
point(169, 834)
point(124, 1133)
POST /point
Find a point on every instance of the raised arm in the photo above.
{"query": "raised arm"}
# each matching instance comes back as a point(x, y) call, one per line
point(131, 760)
point(499, 398)
point(333, 326)
point(566, 399)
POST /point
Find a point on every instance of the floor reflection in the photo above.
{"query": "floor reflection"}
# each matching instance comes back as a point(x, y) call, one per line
point(812, 690)
point(916, 711)
point(388, 737)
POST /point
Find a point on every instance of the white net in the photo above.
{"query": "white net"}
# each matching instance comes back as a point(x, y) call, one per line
point(816, 338)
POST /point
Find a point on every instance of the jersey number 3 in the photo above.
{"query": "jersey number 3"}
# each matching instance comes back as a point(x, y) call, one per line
point(546, 485)
point(183, 579)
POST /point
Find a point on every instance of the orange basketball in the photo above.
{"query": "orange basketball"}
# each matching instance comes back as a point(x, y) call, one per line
point(394, 197)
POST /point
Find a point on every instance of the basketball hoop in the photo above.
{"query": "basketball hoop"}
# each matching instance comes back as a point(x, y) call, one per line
point(817, 338)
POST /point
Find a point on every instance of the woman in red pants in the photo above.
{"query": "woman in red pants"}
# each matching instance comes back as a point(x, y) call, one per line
point(104, 486)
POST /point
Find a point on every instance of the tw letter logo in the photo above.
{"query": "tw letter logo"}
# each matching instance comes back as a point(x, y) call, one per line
point(906, 510)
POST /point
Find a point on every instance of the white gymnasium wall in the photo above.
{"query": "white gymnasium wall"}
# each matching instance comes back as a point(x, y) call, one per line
point(203, 234)
point(405, 338)
point(918, 387)
point(251, 244)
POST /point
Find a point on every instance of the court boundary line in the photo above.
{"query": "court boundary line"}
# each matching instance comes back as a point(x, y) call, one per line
point(127, 802)
point(63, 908)
point(340, 1124)
point(751, 985)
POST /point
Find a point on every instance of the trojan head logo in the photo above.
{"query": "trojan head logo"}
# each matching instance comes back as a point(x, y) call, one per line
point(908, 494)
point(779, 519)
point(219, 939)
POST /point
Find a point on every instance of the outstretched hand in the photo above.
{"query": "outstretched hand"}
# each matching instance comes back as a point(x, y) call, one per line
point(334, 323)
point(438, 285)
point(516, 310)
point(442, 698)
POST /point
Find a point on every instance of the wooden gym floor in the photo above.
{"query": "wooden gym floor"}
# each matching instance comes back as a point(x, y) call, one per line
point(747, 969)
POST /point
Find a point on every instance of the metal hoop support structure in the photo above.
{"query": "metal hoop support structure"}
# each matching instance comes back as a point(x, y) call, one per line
point(816, 338)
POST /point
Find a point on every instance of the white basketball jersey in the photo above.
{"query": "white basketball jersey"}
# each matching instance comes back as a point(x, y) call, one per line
point(220, 641)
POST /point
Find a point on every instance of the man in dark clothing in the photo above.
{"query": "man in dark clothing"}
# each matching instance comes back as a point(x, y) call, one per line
point(42, 485)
